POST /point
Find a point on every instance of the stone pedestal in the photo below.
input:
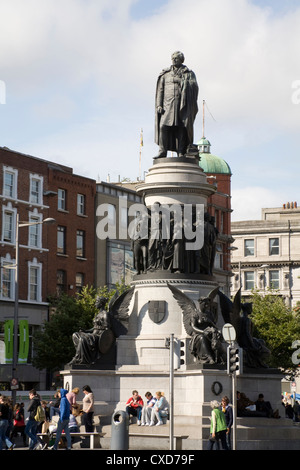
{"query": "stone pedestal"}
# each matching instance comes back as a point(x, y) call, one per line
point(176, 180)
point(145, 342)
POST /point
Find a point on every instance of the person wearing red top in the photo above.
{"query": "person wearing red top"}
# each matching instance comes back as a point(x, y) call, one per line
point(135, 405)
point(19, 423)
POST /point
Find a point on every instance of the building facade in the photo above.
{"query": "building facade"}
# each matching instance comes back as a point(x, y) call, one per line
point(52, 258)
point(114, 256)
point(267, 253)
point(219, 206)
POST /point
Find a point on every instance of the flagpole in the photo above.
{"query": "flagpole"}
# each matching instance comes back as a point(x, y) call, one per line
point(203, 123)
point(140, 159)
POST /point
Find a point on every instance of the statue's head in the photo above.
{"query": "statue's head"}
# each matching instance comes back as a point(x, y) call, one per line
point(100, 302)
point(247, 308)
point(177, 58)
point(204, 303)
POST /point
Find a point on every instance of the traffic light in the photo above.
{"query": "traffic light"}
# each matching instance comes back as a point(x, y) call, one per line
point(179, 353)
point(182, 353)
point(233, 360)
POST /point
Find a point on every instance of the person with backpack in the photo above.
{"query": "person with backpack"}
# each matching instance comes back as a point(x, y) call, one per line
point(32, 424)
point(63, 422)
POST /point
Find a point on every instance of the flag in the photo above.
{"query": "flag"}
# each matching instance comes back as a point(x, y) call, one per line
point(23, 341)
point(142, 140)
point(8, 339)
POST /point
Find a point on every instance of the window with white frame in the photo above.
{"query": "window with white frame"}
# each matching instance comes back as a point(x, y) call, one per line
point(34, 281)
point(62, 199)
point(7, 278)
point(249, 280)
point(10, 180)
point(8, 223)
point(80, 204)
point(36, 189)
point(35, 231)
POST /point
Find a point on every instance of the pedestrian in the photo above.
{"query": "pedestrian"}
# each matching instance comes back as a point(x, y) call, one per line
point(134, 406)
point(63, 421)
point(19, 424)
point(4, 419)
point(10, 420)
point(159, 410)
point(88, 408)
point(296, 410)
point(32, 424)
point(54, 406)
point(218, 427)
point(73, 425)
point(227, 410)
point(146, 412)
point(71, 396)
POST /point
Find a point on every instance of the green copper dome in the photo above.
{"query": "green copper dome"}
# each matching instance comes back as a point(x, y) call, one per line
point(211, 163)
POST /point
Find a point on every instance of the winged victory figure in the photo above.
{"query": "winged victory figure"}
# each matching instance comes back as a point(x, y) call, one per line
point(108, 325)
point(200, 324)
point(255, 351)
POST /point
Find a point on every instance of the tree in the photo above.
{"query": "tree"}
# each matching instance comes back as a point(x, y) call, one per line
point(277, 325)
point(53, 344)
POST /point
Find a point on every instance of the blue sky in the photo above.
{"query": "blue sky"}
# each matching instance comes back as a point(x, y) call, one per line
point(80, 79)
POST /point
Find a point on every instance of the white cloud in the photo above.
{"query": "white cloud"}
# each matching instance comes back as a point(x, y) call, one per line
point(248, 202)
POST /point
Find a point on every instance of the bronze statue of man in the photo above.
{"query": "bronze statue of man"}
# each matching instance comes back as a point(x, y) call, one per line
point(176, 107)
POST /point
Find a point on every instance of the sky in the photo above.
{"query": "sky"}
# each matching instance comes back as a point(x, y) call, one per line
point(78, 78)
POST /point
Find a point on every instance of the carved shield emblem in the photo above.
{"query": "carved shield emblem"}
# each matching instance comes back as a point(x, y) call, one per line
point(157, 310)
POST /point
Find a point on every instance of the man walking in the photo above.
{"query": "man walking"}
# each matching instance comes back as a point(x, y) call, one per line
point(63, 422)
point(32, 424)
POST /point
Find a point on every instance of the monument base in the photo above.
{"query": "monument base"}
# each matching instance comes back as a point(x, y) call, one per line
point(193, 391)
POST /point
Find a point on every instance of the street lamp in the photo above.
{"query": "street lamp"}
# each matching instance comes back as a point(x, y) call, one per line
point(16, 308)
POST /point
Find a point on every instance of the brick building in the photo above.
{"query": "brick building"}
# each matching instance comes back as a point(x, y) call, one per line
point(219, 205)
point(52, 258)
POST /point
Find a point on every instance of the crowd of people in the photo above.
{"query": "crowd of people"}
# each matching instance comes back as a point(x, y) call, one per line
point(222, 417)
point(41, 419)
point(154, 411)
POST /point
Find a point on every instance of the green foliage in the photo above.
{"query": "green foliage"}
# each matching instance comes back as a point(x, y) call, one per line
point(277, 325)
point(53, 344)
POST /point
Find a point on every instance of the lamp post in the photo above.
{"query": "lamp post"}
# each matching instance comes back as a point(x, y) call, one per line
point(16, 306)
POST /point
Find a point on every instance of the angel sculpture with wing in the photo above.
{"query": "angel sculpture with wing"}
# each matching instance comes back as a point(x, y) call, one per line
point(206, 339)
point(255, 351)
point(108, 325)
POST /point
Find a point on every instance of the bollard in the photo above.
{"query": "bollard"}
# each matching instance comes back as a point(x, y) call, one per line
point(119, 431)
